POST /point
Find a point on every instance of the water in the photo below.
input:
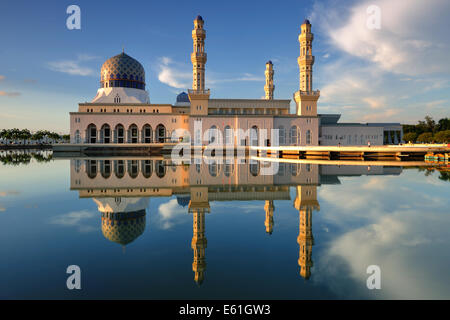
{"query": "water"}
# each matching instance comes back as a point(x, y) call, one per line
point(337, 219)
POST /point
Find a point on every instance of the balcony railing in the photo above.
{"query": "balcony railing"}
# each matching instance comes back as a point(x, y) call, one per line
point(192, 91)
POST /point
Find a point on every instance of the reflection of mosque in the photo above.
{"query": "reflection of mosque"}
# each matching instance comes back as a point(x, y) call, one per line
point(122, 187)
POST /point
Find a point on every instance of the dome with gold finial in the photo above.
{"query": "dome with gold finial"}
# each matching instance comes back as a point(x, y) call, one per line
point(122, 71)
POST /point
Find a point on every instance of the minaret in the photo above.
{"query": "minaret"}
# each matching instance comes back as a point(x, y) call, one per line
point(305, 203)
point(269, 86)
point(198, 244)
point(269, 208)
point(198, 206)
point(198, 95)
point(306, 98)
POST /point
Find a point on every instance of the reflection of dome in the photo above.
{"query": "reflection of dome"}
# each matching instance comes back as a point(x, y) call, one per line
point(183, 200)
point(306, 21)
point(121, 204)
point(199, 18)
point(122, 71)
point(123, 227)
point(183, 100)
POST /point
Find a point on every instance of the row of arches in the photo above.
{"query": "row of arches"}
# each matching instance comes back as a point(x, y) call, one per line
point(293, 136)
point(120, 167)
point(120, 134)
point(133, 167)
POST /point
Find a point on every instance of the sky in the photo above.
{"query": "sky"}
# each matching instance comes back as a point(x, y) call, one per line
point(397, 73)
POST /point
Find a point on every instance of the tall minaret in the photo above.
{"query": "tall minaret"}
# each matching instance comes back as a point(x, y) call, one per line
point(198, 244)
point(198, 96)
point(306, 98)
point(269, 86)
point(305, 203)
point(269, 208)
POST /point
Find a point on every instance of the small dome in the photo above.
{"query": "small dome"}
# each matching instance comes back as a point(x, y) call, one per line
point(122, 71)
point(123, 227)
point(183, 200)
point(306, 21)
point(269, 62)
point(183, 97)
point(199, 17)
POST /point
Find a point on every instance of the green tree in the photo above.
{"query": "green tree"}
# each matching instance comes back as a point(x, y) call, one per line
point(426, 137)
point(410, 136)
point(442, 136)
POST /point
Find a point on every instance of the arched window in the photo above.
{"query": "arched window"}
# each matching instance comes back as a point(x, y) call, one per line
point(213, 169)
point(117, 99)
point(213, 135)
point(133, 168)
point(294, 136)
point(147, 168)
point(105, 134)
point(147, 133)
point(92, 133)
point(133, 134)
point(282, 135)
point(160, 168)
point(254, 168)
point(119, 133)
point(228, 135)
point(254, 136)
point(160, 133)
point(105, 168)
point(91, 168)
point(119, 168)
point(308, 137)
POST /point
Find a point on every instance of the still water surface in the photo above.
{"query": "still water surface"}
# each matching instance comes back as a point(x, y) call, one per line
point(146, 228)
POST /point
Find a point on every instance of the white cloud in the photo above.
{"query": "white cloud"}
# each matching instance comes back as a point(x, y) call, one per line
point(412, 40)
point(179, 76)
point(170, 213)
point(73, 67)
point(174, 78)
point(75, 219)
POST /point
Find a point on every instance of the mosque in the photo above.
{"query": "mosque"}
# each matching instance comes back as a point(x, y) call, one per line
point(121, 111)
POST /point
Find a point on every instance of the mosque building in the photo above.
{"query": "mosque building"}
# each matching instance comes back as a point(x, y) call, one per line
point(121, 111)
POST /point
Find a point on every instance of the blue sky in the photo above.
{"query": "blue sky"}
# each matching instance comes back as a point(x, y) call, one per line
point(400, 72)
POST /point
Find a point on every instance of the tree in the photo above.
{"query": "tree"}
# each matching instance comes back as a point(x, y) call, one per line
point(442, 136)
point(426, 137)
point(410, 136)
point(443, 124)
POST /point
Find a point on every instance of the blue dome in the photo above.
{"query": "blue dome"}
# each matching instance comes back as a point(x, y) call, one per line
point(269, 62)
point(306, 21)
point(183, 200)
point(183, 97)
point(122, 71)
point(199, 17)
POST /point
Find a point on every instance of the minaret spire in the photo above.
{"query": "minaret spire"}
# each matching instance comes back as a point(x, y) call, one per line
point(269, 86)
point(198, 56)
point(306, 98)
point(199, 96)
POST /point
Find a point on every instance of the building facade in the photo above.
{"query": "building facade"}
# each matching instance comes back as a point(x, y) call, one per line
point(121, 111)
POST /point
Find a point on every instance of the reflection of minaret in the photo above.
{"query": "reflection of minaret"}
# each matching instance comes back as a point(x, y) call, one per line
point(305, 203)
point(199, 205)
point(198, 244)
point(269, 208)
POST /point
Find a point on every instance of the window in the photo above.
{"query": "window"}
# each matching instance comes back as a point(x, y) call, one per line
point(228, 135)
point(282, 135)
point(308, 137)
point(294, 135)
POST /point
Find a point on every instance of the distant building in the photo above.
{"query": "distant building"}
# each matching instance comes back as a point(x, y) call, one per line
point(121, 111)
